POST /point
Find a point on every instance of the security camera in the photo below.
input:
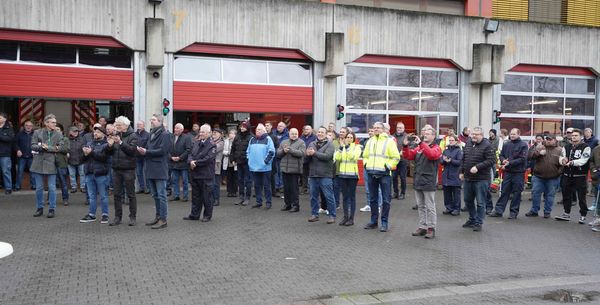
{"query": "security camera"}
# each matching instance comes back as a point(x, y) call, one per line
point(156, 75)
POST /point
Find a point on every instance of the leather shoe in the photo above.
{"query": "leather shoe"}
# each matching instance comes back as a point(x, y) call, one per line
point(38, 213)
point(415, 207)
point(344, 220)
point(190, 218)
point(286, 208)
point(350, 222)
point(50, 213)
point(116, 221)
point(419, 232)
point(153, 222)
point(495, 214)
point(531, 214)
point(295, 209)
point(256, 206)
point(160, 224)
point(512, 216)
point(371, 226)
point(313, 218)
point(383, 228)
point(131, 221)
point(331, 220)
point(447, 212)
point(401, 196)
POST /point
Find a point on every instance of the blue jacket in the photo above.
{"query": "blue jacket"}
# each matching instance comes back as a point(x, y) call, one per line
point(516, 154)
point(96, 163)
point(260, 153)
point(307, 140)
point(452, 168)
point(24, 144)
point(592, 142)
point(157, 154)
point(281, 136)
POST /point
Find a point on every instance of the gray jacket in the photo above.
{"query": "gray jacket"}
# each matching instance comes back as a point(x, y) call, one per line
point(291, 162)
point(321, 163)
point(219, 155)
point(44, 160)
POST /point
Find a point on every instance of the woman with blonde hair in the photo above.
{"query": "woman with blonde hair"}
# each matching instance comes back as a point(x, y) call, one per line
point(347, 156)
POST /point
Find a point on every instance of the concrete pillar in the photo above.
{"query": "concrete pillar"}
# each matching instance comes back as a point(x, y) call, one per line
point(329, 100)
point(139, 87)
point(480, 106)
point(155, 57)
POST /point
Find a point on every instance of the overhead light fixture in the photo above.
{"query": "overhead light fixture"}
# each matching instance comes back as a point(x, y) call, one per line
point(378, 102)
point(423, 97)
point(524, 111)
point(101, 51)
point(545, 102)
point(491, 26)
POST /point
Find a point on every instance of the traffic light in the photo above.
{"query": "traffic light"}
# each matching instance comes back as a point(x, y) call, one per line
point(340, 112)
point(497, 118)
point(166, 104)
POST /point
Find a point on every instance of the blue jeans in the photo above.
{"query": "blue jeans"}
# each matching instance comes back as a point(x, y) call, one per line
point(366, 180)
point(158, 188)
point(348, 187)
point(97, 185)
point(75, 170)
point(476, 190)
point(318, 185)
point(262, 181)
point(139, 172)
point(278, 176)
point(512, 183)
point(546, 186)
point(184, 175)
point(336, 191)
point(39, 190)
point(377, 184)
point(6, 166)
point(24, 163)
point(62, 174)
point(216, 190)
point(245, 181)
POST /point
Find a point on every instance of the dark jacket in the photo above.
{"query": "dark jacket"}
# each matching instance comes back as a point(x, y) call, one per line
point(96, 163)
point(157, 154)
point(482, 156)
point(75, 150)
point(579, 155)
point(7, 140)
point(143, 137)
point(546, 166)
point(203, 153)
point(61, 157)
point(426, 165)
point(592, 142)
point(451, 169)
point(281, 136)
point(307, 140)
point(515, 151)
point(24, 143)
point(180, 149)
point(292, 161)
point(274, 139)
point(321, 163)
point(44, 160)
point(124, 154)
point(240, 145)
point(399, 139)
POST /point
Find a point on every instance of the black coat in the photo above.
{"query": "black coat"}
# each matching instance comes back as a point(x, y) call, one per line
point(75, 152)
point(180, 149)
point(480, 155)
point(240, 145)
point(96, 163)
point(157, 154)
point(7, 140)
point(124, 154)
point(516, 154)
point(143, 137)
point(204, 154)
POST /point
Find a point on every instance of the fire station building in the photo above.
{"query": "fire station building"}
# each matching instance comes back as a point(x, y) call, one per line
point(449, 63)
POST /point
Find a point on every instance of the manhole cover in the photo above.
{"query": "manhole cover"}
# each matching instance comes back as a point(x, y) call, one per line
point(566, 296)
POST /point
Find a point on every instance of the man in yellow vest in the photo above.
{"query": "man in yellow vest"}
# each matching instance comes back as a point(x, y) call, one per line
point(380, 157)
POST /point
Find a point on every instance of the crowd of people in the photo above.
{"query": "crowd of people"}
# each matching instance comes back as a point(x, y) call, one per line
point(277, 161)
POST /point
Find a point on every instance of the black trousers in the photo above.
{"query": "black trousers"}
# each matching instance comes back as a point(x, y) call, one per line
point(232, 186)
point(305, 172)
point(124, 182)
point(572, 186)
point(291, 191)
point(400, 172)
point(201, 198)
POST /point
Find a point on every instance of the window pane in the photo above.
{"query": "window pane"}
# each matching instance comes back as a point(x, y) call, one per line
point(404, 78)
point(197, 69)
point(550, 126)
point(48, 53)
point(360, 123)
point(447, 122)
point(581, 86)
point(439, 79)
point(579, 106)
point(366, 76)
point(365, 99)
point(403, 100)
point(120, 58)
point(524, 125)
point(447, 102)
point(8, 50)
point(520, 83)
point(289, 74)
point(244, 71)
point(515, 104)
point(547, 105)
point(549, 84)
point(581, 124)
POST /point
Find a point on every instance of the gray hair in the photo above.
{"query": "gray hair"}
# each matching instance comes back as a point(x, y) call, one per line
point(386, 126)
point(158, 117)
point(429, 128)
point(261, 127)
point(205, 127)
point(378, 123)
point(477, 129)
point(123, 120)
point(49, 117)
point(179, 125)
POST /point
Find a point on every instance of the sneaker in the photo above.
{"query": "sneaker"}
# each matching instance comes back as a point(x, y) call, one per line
point(104, 219)
point(468, 224)
point(594, 222)
point(477, 228)
point(546, 215)
point(581, 220)
point(592, 208)
point(563, 217)
point(430, 233)
point(321, 211)
point(313, 218)
point(366, 208)
point(596, 228)
point(87, 218)
point(419, 232)
point(531, 214)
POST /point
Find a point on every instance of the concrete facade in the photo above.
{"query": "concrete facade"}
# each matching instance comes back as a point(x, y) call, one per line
point(303, 25)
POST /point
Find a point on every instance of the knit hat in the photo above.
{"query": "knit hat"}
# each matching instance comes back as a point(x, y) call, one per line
point(245, 124)
point(102, 129)
point(494, 131)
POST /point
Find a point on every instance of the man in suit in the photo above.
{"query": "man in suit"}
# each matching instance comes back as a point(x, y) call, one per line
point(202, 165)
point(182, 145)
